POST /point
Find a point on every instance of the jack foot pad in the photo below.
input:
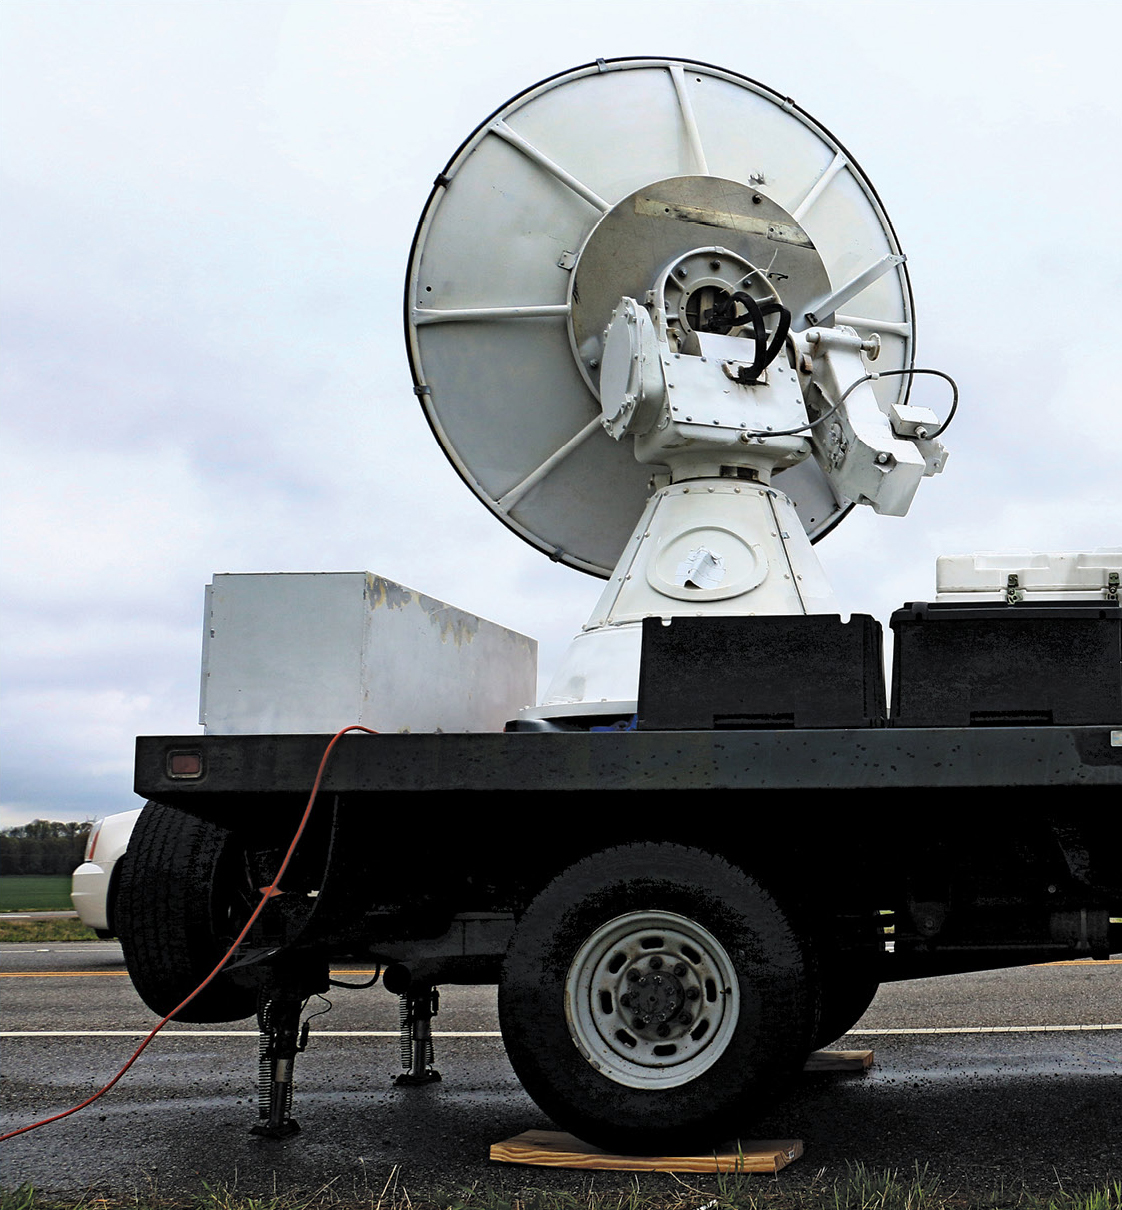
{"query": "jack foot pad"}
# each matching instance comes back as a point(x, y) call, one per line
point(408, 1080)
point(284, 1131)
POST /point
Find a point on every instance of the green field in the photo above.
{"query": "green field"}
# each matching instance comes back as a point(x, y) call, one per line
point(35, 893)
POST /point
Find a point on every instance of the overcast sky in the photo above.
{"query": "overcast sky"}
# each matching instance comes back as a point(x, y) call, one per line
point(207, 209)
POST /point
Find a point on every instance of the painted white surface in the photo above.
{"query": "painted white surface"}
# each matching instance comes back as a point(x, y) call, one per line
point(312, 653)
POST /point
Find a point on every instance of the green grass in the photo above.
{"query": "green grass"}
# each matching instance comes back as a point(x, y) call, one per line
point(860, 1189)
point(35, 893)
point(45, 930)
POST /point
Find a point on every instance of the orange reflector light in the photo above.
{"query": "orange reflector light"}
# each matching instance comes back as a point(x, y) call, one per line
point(185, 764)
point(91, 843)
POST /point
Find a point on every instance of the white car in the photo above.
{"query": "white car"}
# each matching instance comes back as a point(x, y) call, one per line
point(93, 885)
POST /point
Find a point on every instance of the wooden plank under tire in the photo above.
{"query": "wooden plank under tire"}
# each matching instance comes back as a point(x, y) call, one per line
point(555, 1149)
point(839, 1060)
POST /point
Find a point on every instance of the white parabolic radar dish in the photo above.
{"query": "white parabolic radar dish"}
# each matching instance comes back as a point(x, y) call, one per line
point(580, 191)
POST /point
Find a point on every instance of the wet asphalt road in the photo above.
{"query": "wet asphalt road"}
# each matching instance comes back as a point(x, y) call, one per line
point(978, 1109)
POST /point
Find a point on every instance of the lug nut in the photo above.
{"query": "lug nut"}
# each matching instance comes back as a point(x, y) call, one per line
point(663, 1030)
point(685, 1018)
point(656, 963)
point(640, 1023)
point(680, 969)
point(632, 975)
point(625, 1000)
point(692, 993)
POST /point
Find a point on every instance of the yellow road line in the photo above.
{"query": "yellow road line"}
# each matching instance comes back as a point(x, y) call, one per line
point(59, 974)
point(1083, 962)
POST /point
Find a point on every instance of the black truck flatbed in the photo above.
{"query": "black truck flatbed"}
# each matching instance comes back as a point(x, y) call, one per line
point(890, 758)
point(744, 859)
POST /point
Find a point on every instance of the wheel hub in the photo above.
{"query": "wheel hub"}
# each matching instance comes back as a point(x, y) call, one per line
point(656, 996)
point(652, 999)
point(660, 998)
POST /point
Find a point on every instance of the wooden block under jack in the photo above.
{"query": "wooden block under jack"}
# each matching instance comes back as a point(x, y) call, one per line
point(555, 1149)
point(839, 1060)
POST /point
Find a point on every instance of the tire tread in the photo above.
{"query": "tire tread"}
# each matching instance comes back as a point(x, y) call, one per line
point(165, 919)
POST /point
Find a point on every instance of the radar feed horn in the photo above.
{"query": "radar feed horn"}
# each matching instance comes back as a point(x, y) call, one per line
point(631, 291)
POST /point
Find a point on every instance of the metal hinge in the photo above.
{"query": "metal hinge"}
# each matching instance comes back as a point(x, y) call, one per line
point(1013, 592)
point(1112, 586)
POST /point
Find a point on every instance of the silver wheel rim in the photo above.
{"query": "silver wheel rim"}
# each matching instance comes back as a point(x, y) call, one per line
point(651, 1000)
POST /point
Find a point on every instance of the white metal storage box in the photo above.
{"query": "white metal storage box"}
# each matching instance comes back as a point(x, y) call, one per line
point(313, 652)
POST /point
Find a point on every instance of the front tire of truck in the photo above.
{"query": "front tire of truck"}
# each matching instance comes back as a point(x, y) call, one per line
point(653, 996)
point(175, 904)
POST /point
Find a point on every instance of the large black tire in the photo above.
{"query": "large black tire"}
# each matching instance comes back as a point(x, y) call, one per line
point(176, 910)
point(849, 961)
point(845, 998)
point(733, 989)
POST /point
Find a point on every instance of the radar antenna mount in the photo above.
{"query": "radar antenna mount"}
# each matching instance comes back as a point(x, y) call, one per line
point(652, 288)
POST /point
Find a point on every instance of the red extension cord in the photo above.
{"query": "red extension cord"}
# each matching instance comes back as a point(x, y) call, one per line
point(265, 895)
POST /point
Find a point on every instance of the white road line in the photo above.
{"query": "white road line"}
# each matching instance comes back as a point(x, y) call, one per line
point(483, 1033)
point(231, 1033)
point(991, 1029)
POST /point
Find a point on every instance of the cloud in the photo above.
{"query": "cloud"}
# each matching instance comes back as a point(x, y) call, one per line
point(209, 210)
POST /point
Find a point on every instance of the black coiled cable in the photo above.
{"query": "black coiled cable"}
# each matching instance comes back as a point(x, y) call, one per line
point(723, 318)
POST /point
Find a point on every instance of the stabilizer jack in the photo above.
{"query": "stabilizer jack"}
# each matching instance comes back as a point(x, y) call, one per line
point(282, 1039)
point(418, 1007)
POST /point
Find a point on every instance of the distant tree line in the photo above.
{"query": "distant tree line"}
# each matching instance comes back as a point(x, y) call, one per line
point(43, 846)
